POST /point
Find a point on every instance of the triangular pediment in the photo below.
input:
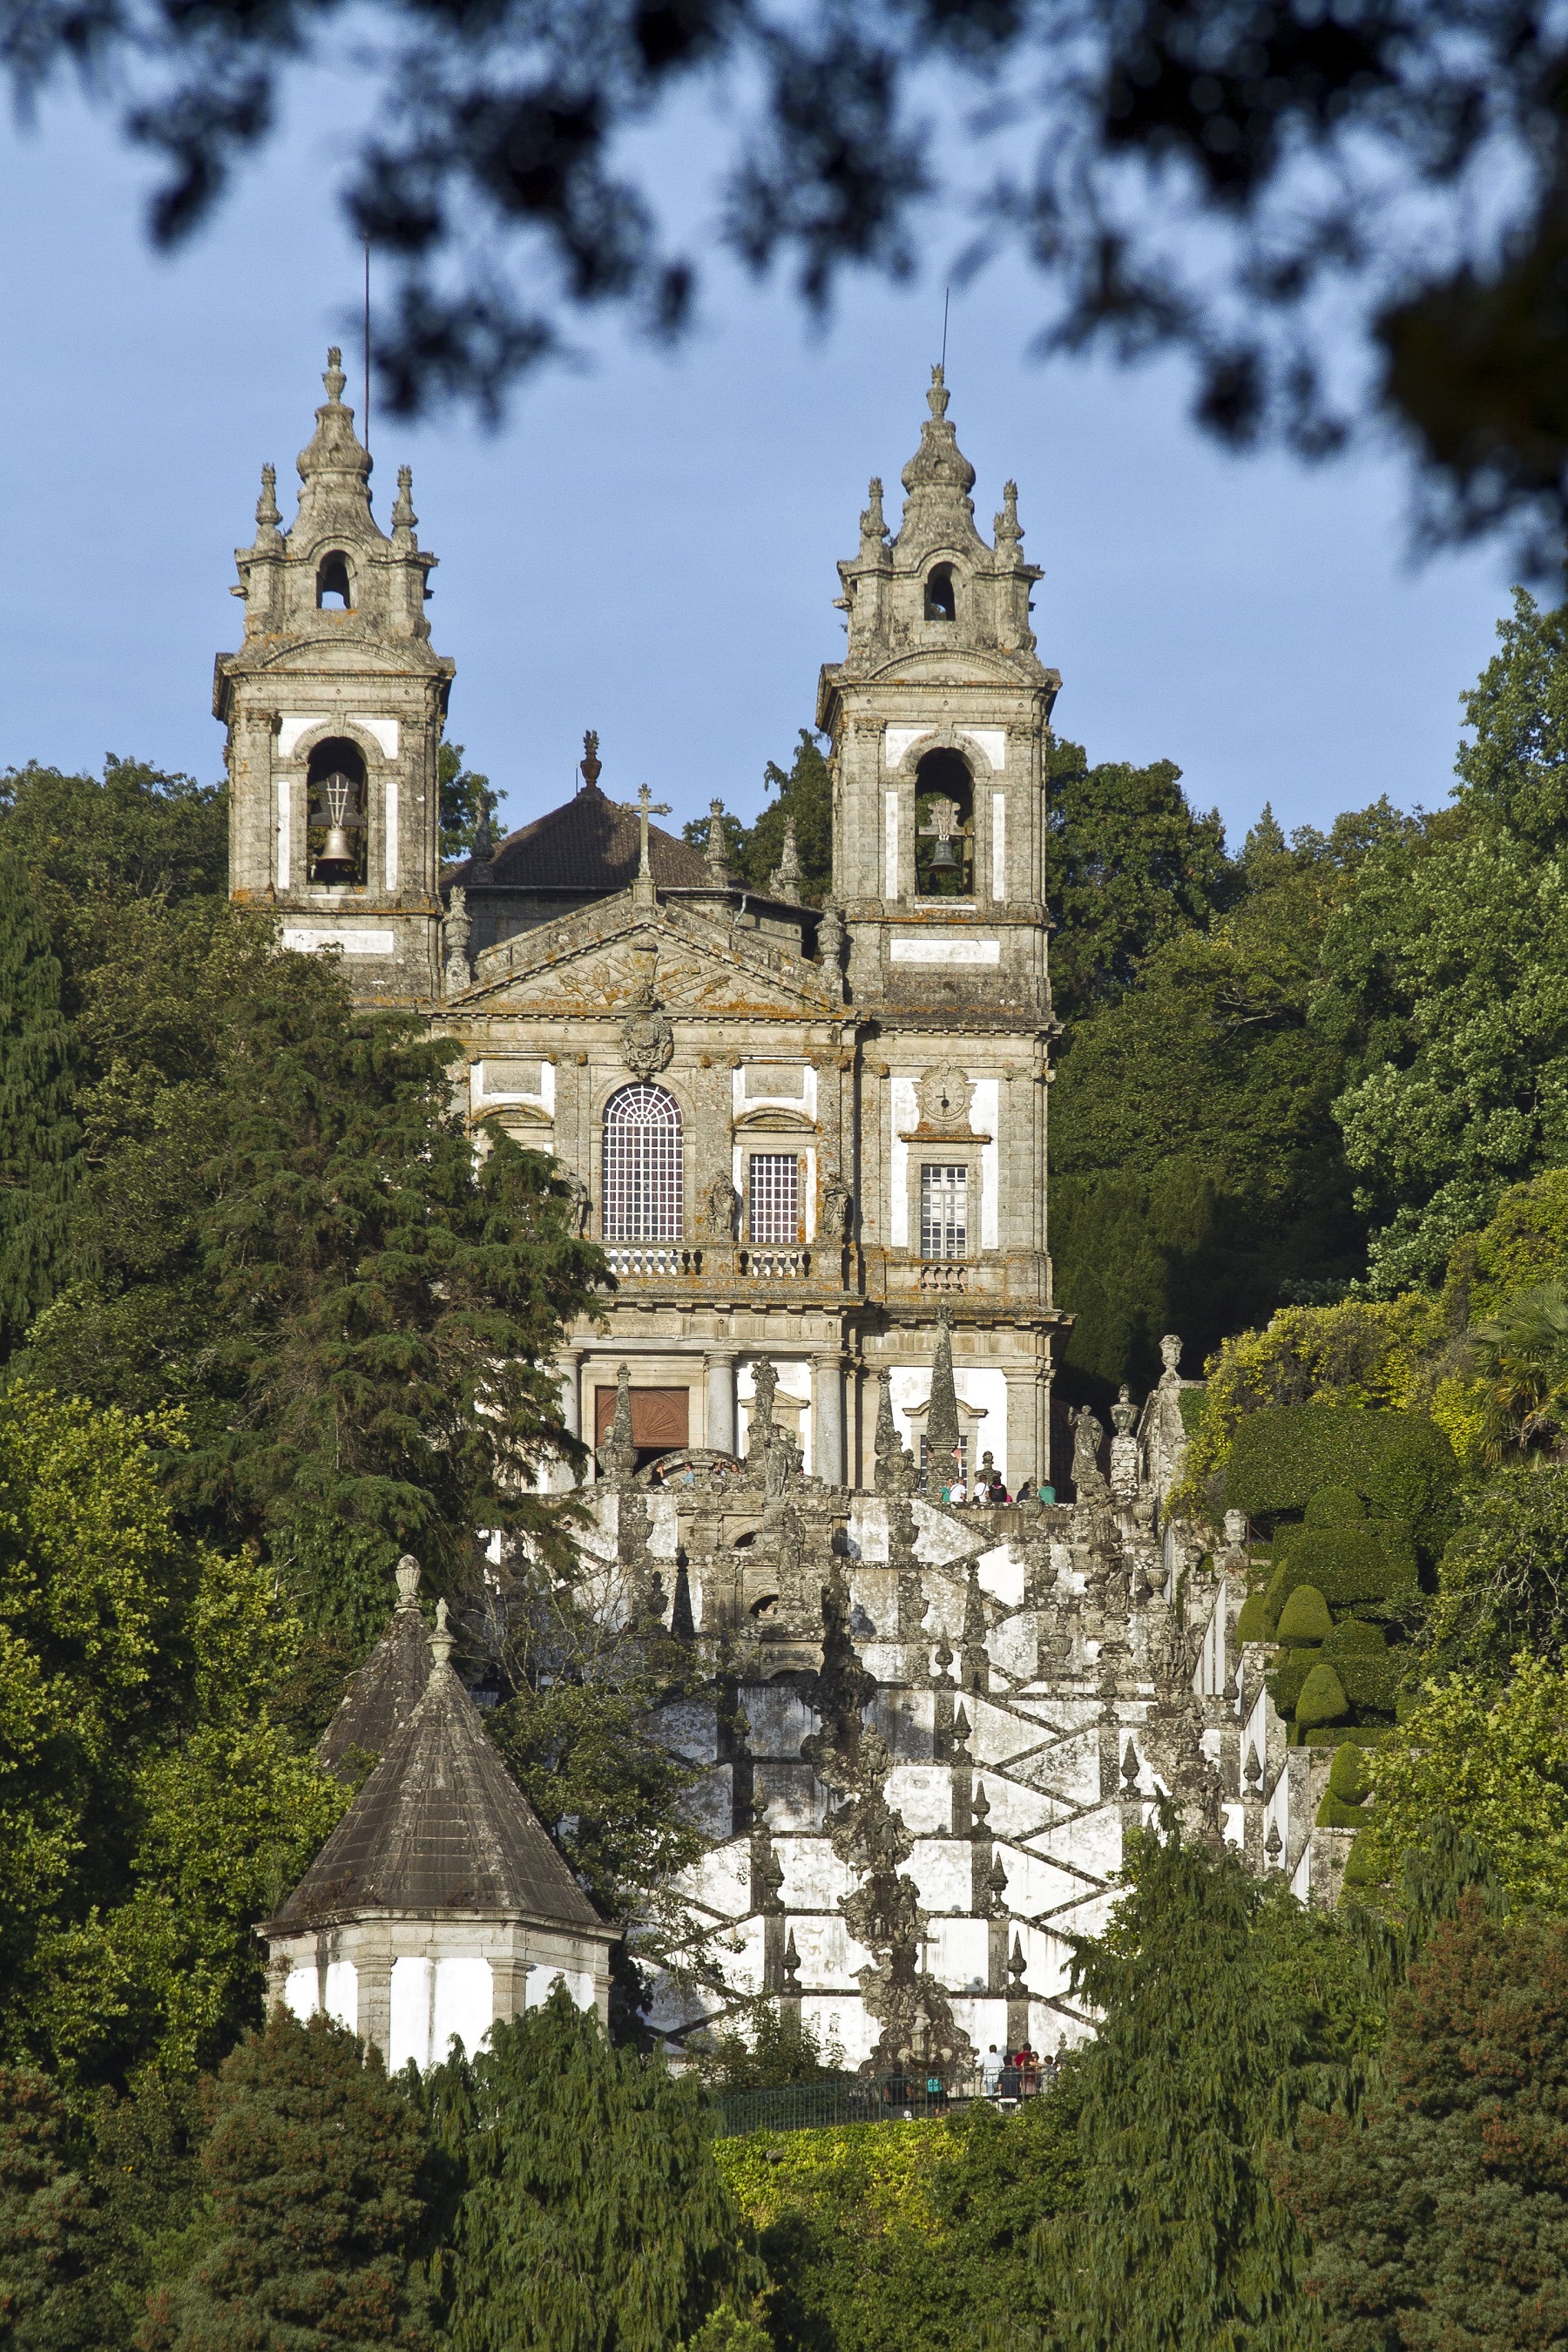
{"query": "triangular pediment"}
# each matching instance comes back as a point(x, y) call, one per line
point(598, 961)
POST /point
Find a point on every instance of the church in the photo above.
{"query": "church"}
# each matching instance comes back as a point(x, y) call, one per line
point(812, 1142)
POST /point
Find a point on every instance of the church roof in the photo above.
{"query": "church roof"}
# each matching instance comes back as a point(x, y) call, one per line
point(383, 1695)
point(590, 843)
point(441, 1826)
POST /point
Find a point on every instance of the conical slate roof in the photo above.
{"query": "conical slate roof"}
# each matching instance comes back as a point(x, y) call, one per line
point(441, 1826)
point(383, 1696)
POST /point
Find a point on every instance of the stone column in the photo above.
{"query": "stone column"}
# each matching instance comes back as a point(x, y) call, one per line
point(1028, 1428)
point(569, 1372)
point(374, 2020)
point(719, 1412)
point(827, 1418)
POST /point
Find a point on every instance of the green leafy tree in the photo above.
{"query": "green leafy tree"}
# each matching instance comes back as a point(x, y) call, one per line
point(1179, 2238)
point(39, 1132)
point(1196, 1176)
point(1127, 865)
point(1496, 1764)
point(591, 2217)
point(1444, 977)
point(135, 833)
point(805, 792)
point(1502, 1584)
point(1521, 1357)
point(54, 2295)
point(298, 1243)
point(1440, 2215)
point(466, 796)
point(313, 2165)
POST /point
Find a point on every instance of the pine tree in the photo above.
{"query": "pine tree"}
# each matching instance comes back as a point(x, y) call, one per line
point(39, 1135)
point(52, 2295)
point(591, 2217)
point(1180, 2244)
point(313, 2167)
point(1441, 2216)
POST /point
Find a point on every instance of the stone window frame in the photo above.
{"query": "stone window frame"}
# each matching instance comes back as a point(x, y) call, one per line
point(944, 1152)
point(608, 1082)
point(295, 766)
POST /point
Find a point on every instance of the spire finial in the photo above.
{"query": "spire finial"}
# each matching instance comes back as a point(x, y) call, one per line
point(334, 378)
point(938, 396)
point(590, 766)
point(1007, 529)
point(442, 1642)
point(403, 515)
point(785, 877)
point(873, 522)
point(718, 860)
point(267, 504)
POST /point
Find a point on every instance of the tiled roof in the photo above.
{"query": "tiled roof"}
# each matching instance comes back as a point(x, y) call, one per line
point(589, 844)
point(383, 1696)
point(440, 1826)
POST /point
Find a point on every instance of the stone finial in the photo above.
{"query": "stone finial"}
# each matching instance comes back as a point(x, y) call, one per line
point(442, 1642)
point(268, 538)
point(980, 1806)
point(996, 1882)
point(1171, 1356)
point(1273, 1845)
point(590, 766)
point(1008, 530)
point(335, 379)
point(484, 848)
point(830, 939)
point(1015, 1966)
point(336, 454)
point(943, 1677)
point(1253, 1770)
point(715, 853)
point(408, 1575)
point(941, 1419)
point(939, 474)
point(791, 1965)
point(873, 523)
point(403, 515)
point(960, 1733)
point(784, 880)
point(885, 1445)
point(1131, 1767)
point(618, 1454)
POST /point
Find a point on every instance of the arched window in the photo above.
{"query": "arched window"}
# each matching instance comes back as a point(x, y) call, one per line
point(642, 1187)
point(941, 604)
point(337, 836)
point(944, 827)
point(333, 581)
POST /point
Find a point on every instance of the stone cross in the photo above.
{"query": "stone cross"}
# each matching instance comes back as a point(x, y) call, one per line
point(644, 807)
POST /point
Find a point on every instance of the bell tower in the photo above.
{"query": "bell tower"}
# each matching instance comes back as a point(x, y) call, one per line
point(334, 706)
point(939, 717)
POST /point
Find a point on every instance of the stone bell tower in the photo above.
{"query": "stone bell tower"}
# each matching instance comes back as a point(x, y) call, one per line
point(334, 706)
point(938, 715)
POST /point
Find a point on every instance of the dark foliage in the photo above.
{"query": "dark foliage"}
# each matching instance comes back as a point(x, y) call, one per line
point(54, 2296)
point(466, 796)
point(805, 799)
point(1402, 158)
point(39, 1133)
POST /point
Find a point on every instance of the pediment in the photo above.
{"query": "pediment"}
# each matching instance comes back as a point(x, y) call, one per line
point(597, 962)
point(770, 1119)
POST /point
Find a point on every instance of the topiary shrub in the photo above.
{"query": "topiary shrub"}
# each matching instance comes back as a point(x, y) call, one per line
point(1333, 1813)
point(1417, 1481)
point(1281, 1457)
point(1354, 1638)
point(1334, 1507)
point(1360, 1870)
point(1371, 1684)
point(1371, 1561)
point(1255, 1624)
point(1304, 1619)
point(1348, 1776)
point(1285, 1682)
point(1323, 1698)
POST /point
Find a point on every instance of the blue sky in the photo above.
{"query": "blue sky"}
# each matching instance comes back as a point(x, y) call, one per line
point(647, 546)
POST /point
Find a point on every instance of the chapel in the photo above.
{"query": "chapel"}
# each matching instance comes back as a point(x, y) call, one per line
point(812, 1142)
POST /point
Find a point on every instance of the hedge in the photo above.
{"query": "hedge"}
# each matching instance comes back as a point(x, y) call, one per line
point(1348, 1776)
point(1255, 1624)
point(1322, 1698)
point(1354, 1638)
point(1334, 1813)
point(1305, 1618)
point(1372, 1683)
point(1369, 1561)
point(1400, 1463)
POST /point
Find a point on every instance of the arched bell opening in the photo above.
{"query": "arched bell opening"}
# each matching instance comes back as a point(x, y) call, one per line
point(337, 828)
point(944, 827)
point(334, 589)
point(942, 594)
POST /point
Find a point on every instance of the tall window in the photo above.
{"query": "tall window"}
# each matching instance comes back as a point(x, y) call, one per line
point(944, 1211)
point(642, 1186)
point(773, 1205)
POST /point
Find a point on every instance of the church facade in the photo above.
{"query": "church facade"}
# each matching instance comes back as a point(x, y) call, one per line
point(797, 1131)
point(812, 1140)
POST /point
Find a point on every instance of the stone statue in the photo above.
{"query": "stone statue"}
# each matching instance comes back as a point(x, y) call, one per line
point(781, 1464)
point(458, 930)
point(580, 1209)
point(719, 1209)
point(1124, 1448)
point(837, 1206)
point(764, 1388)
point(1087, 1434)
point(830, 938)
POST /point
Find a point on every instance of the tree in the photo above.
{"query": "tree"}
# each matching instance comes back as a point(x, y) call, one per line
point(1502, 1585)
point(1441, 2215)
point(1127, 865)
point(1197, 1174)
point(298, 1244)
point(313, 2165)
point(1178, 2238)
point(135, 833)
point(1317, 167)
point(806, 801)
point(1495, 1764)
point(1445, 985)
point(464, 797)
point(591, 2217)
point(53, 2293)
point(39, 1132)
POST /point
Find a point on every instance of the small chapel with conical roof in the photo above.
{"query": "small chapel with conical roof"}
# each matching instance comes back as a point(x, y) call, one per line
point(812, 1142)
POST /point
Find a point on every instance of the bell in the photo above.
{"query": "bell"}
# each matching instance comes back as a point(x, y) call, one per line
point(337, 850)
point(944, 857)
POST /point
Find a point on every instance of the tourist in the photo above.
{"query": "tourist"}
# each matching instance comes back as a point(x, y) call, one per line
point(991, 2072)
point(998, 1492)
point(1028, 2072)
point(1007, 2087)
point(957, 1493)
point(1026, 1491)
